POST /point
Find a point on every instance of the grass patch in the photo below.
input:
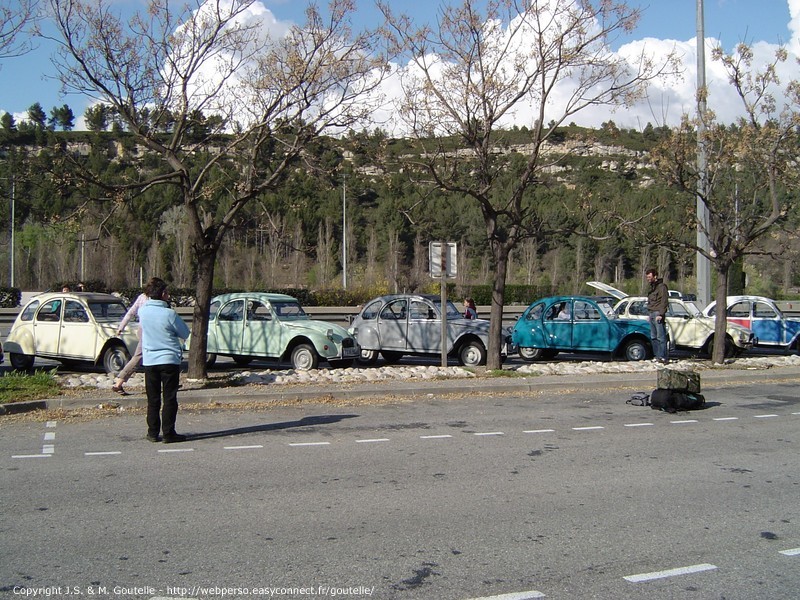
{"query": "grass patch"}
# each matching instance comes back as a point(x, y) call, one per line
point(19, 387)
point(506, 373)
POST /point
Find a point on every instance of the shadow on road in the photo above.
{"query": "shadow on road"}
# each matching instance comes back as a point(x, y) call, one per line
point(309, 422)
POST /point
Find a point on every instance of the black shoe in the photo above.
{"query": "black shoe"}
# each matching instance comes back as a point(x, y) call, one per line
point(174, 438)
point(153, 438)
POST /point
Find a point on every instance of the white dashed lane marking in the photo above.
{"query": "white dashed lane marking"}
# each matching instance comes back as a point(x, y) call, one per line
point(588, 428)
point(309, 443)
point(764, 416)
point(638, 424)
point(435, 437)
point(251, 447)
point(791, 552)
point(103, 453)
point(486, 433)
point(372, 441)
point(683, 421)
point(529, 595)
point(539, 431)
point(641, 577)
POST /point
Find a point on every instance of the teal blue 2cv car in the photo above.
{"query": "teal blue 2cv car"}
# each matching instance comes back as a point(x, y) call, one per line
point(579, 324)
point(256, 325)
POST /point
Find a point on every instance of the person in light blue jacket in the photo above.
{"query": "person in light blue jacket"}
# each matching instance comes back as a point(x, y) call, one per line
point(162, 332)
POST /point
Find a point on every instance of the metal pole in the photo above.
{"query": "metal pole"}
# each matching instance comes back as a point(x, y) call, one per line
point(703, 263)
point(443, 297)
point(83, 252)
point(13, 211)
point(344, 232)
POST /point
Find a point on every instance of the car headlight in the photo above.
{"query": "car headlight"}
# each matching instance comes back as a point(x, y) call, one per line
point(329, 333)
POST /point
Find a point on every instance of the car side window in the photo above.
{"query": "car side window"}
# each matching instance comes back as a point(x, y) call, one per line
point(233, 311)
point(50, 311)
point(739, 309)
point(75, 313)
point(421, 311)
point(371, 311)
point(584, 311)
point(638, 308)
point(256, 311)
point(762, 310)
point(394, 311)
point(620, 308)
point(27, 314)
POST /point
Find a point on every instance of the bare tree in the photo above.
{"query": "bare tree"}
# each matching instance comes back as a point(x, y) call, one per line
point(480, 68)
point(15, 17)
point(749, 167)
point(273, 93)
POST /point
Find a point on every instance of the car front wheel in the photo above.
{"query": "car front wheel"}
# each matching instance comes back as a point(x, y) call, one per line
point(636, 350)
point(304, 358)
point(211, 359)
point(242, 360)
point(21, 362)
point(368, 357)
point(472, 354)
point(115, 358)
point(531, 354)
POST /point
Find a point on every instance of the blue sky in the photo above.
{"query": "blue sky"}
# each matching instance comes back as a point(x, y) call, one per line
point(24, 80)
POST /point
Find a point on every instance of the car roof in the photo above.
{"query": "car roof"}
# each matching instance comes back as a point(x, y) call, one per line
point(86, 296)
point(389, 297)
point(267, 296)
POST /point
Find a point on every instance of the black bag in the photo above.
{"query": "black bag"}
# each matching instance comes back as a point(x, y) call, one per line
point(639, 399)
point(672, 401)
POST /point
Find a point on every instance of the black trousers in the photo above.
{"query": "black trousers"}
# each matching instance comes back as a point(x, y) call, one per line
point(160, 379)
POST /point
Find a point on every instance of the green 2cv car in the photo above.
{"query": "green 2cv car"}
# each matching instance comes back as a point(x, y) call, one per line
point(254, 325)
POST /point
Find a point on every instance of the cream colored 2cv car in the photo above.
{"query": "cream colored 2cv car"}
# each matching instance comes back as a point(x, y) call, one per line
point(76, 327)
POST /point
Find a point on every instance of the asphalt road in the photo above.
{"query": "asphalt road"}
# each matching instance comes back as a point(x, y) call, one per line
point(553, 495)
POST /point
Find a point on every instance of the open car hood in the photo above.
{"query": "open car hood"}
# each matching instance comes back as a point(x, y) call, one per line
point(607, 289)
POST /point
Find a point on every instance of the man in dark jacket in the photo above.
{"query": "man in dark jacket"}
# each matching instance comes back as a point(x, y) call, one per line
point(657, 304)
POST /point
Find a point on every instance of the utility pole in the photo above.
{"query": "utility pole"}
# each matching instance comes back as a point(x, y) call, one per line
point(703, 262)
point(344, 232)
point(13, 245)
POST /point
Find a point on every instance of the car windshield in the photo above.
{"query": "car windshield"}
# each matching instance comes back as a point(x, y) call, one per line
point(107, 312)
point(452, 311)
point(289, 310)
point(607, 309)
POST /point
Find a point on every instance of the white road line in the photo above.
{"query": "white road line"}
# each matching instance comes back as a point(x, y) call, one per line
point(176, 450)
point(48, 449)
point(31, 455)
point(764, 416)
point(51, 424)
point(791, 552)
point(638, 424)
point(726, 419)
point(253, 447)
point(108, 453)
point(684, 421)
point(435, 437)
point(484, 433)
point(49, 436)
point(309, 443)
point(372, 441)
point(669, 573)
point(589, 428)
point(539, 431)
point(513, 596)
point(797, 413)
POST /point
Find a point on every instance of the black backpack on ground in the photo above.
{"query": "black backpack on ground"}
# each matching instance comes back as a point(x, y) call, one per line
point(674, 400)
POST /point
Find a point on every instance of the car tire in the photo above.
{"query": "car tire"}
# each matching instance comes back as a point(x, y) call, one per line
point(391, 357)
point(531, 354)
point(636, 350)
point(21, 362)
point(242, 361)
point(730, 347)
point(304, 358)
point(472, 354)
point(367, 357)
point(211, 359)
point(115, 358)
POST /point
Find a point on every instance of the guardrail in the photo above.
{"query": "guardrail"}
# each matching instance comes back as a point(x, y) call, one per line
point(341, 314)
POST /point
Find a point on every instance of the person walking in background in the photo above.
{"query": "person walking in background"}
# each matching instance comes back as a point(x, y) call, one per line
point(470, 310)
point(136, 359)
point(657, 304)
point(162, 332)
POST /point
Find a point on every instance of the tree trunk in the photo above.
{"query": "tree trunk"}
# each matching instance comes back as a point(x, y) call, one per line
point(205, 283)
point(721, 319)
point(496, 334)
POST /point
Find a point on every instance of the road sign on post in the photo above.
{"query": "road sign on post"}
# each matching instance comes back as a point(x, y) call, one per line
point(442, 259)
